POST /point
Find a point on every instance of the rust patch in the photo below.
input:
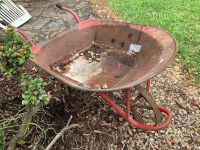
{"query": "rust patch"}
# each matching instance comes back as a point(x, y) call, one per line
point(98, 67)
point(81, 69)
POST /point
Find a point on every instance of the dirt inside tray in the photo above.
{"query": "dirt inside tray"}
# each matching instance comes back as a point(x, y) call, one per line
point(98, 67)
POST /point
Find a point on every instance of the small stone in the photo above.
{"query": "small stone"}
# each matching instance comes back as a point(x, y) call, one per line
point(104, 86)
point(130, 131)
point(81, 54)
point(90, 60)
point(57, 69)
point(197, 140)
point(54, 25)
point(98, 59)
point(97, 131)
point(98, 87)
point(120, 119)
point(92, 54)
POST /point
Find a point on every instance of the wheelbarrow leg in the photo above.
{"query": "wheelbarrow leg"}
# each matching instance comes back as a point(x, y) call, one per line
point(126, 115)
point(143, 92)
point(136, 115)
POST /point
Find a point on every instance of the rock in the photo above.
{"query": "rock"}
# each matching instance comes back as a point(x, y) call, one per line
point(104, 86)
point(54, 25)
point(197, 140)
point(130, 131)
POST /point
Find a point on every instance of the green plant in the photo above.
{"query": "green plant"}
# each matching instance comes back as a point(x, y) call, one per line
point(34, 91)
point(34, 96)
point(21, 142)
point(1, 139)
point(14, 51)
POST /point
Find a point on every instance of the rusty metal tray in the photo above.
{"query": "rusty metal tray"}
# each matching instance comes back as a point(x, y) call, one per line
point(114, 66)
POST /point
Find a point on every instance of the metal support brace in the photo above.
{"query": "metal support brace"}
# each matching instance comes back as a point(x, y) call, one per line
point(127, 115)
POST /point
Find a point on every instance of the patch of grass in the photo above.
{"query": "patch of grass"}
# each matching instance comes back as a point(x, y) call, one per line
point(180, 17)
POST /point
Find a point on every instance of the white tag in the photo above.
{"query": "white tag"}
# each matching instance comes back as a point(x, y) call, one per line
point(134, 48)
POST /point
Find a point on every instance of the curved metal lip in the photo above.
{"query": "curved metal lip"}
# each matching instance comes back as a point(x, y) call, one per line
point(96, 22)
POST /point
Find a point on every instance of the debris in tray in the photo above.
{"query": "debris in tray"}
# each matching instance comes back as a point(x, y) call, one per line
point(103, 86)
point(93, 54)
point(98, 87)
point(56, 69)
point(60, 68)
point(81, 54)
point(73, 57)
point(99, 66)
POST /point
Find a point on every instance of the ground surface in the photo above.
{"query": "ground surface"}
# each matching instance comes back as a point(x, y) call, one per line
point(99, 126)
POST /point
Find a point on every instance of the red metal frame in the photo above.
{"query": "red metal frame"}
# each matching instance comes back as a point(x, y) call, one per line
point(34, 48)
point(128, 117)
point(76, 17)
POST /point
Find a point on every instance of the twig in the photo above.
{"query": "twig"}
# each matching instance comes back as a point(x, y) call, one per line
point(150, 145)
point(67, 127)
point(13, 118)
point(182, 106)
point(36, 144)
point(68, 122)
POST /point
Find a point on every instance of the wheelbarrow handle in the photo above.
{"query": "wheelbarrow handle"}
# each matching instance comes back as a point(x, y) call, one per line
point(3, 22)
point(73, 13)
point(35, 48)
point(22, 33)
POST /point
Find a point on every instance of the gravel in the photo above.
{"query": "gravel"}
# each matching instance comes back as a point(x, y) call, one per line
point(174, 88)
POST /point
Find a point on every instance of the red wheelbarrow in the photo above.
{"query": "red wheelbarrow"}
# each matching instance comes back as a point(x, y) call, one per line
point(105, 56)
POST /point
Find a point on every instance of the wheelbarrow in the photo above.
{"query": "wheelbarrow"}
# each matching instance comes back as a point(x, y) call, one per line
point(105, 56)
